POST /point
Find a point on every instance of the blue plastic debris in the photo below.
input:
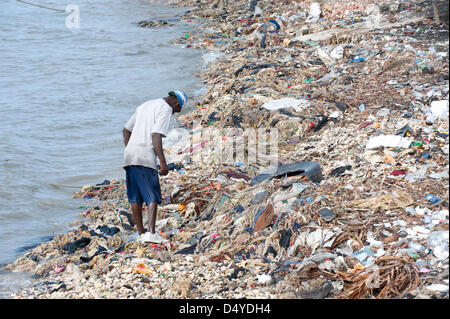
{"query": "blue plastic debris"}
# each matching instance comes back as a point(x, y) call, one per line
point(357, 60)
point(239, 209)
point(433, 199)
point(304, 201)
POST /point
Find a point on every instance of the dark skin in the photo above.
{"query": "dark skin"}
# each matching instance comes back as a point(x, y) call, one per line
point(164, 170)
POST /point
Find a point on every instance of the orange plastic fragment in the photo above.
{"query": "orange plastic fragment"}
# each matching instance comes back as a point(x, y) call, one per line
point(389, 159)
point(142, 269)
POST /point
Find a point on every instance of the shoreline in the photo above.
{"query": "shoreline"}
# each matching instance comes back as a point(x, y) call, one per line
point(298, 250)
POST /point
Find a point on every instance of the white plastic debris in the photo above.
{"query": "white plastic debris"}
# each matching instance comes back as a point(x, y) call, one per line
point(388, 141)
point(338, 52)
point(314, 11)
point(297, 104)
point(264, 278)
point(438, 287)
point(440, 253)
point(324, 55)
point(336, 114)
point(300, 187)
point(380, 252)
point(422, 211)
point(440, 109)
point(441, 175)
point(258, 11)
point(319, 238)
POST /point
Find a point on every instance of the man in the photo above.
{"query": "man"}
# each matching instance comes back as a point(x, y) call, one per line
point(142, 136)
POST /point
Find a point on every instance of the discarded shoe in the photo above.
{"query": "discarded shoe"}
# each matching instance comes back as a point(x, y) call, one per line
point(310, 169)
point(70, 248)
point(327, 214)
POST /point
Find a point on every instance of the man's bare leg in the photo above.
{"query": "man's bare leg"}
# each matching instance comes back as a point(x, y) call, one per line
point(137, 217)
point(152, 209)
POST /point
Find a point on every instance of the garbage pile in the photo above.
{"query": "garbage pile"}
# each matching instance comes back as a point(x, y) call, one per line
point(357, 205)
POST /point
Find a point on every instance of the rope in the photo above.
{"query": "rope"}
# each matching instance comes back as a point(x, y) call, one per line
point(37, 5)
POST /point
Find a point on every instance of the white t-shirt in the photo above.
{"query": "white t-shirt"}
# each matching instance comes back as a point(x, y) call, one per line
point(150, 117)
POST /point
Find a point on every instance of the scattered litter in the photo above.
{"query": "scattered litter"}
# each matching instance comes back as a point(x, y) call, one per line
point(357, 92)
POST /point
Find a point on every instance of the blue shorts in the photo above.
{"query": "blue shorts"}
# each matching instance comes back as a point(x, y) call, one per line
point(142, 185)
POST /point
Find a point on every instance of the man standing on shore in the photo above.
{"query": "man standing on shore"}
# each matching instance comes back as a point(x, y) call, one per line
point(142, 136)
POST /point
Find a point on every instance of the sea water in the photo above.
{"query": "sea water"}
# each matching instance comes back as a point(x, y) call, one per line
point(66, 91)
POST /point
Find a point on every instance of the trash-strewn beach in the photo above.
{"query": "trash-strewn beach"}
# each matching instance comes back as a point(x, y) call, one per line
point(357, 206)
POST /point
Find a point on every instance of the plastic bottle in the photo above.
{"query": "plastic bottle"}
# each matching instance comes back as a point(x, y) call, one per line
point(438, 238)
point(417, 247)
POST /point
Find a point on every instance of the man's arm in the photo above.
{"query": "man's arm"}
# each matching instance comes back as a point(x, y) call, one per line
point(157, 146)
point(126, 136)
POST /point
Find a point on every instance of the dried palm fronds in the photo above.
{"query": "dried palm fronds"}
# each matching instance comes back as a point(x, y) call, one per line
point(395, 64)
point(388, 277)
point(387, 201)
